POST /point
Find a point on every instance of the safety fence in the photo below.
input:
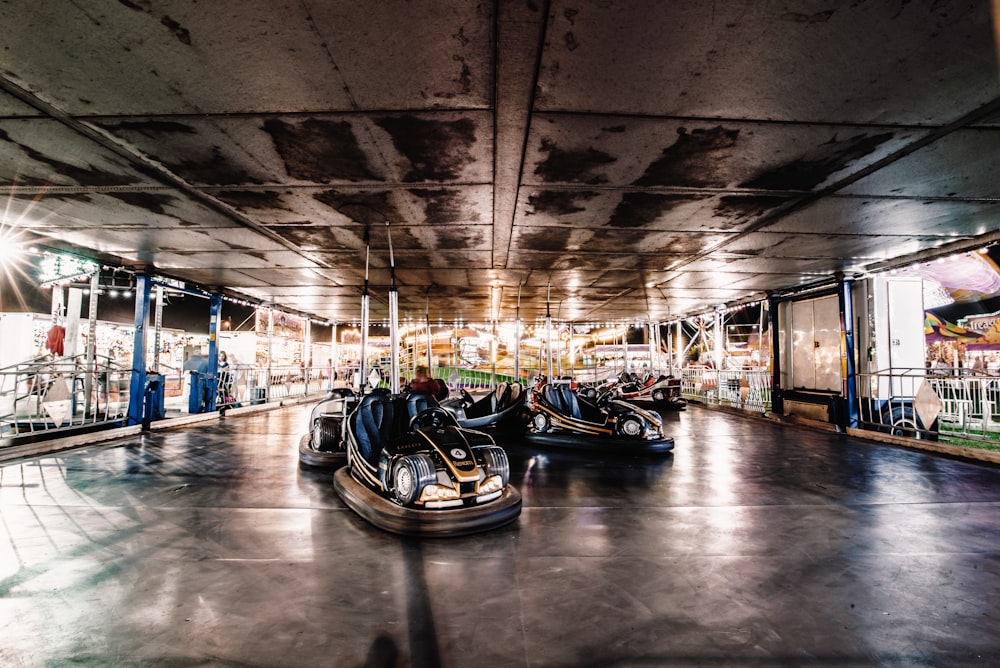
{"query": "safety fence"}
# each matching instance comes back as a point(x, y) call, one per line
point(65, 392)
point(939, 403)
point(747, 389)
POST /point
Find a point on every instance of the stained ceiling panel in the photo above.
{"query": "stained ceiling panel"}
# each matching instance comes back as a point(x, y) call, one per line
point(607, 160)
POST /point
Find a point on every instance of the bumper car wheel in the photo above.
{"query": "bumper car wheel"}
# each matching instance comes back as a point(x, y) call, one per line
point(325, 434)
point(659, 395)
point(495, 462)
point(630, 425)
point(409, 476)
point(540, 422)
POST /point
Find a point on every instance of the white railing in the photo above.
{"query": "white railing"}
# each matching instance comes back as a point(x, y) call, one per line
point(748, 389)
point(58, 393)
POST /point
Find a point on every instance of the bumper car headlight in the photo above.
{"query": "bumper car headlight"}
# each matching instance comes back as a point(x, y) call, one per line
point(492, 484)
point(439, 493)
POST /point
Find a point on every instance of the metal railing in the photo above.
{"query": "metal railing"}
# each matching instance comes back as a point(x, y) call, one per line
point(57, 393)
point(932, 403)
point(747, 389)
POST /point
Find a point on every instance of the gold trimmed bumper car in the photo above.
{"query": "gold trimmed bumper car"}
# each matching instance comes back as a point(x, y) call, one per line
point(560, 417)
point(325, 446)
point(500, 408)
point(413, 470)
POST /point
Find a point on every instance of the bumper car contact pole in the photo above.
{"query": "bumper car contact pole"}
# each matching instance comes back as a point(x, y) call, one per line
point(517, 337)
point(393, 319)
point(363, 378)
point(548, 330)
point(427, 324)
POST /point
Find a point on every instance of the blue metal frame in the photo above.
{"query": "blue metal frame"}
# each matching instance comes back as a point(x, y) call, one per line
point(777, 400)
point(137, 388)
point(212, 378)
point(849, 371)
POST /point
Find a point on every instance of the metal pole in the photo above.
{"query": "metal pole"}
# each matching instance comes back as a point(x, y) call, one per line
point(680, 344)
point(517, 338)
point(394, 339)
point(852, 415)
point(362, 379)
point(548, 333)
point(427, 325)
point(88, 381)
point(212, 380)
point(157, 328)
point(653, 364)
point(625, 362)
point(777, 401)
point(307, 360)
point(270, 335)
point(393, 318)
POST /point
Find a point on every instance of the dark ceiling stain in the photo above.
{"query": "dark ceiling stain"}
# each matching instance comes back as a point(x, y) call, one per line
point(559, 202)
point(367, 208)
point(457, 237)
point(551, 239)
point(154, 202)
point(445, 206)
point(684, 244)
point(572, 166)
point(214, 171)
point(695, 160)
point(320, 151)
point(320, 237)
point(437, 150)
point(173, 26)
point(818, 17)
point(641, 209)
point(83, 176)
point(180, 32)
point(253, 199)
point(465, 76)
point(814, 168)
point(738, 210)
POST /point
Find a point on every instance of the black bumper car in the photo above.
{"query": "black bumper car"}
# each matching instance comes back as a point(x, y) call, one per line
point(503, 407)
point(325, 446)
point(413, 470)
point(657, 392)
point(559, 417)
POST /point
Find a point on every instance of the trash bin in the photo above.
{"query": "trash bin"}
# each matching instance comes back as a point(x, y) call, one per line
point(154, 407)
point(196, 396)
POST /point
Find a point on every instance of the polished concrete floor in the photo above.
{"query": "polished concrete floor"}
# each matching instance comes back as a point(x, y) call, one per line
point(753, 544)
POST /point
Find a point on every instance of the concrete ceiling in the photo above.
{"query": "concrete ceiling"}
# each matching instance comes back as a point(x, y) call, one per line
point(624, 160)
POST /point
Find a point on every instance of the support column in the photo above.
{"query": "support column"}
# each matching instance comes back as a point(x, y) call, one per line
point(777, 402)
point(137, 386)
point(212, 379)
point(680, 344)
point(91, 375)
point(654, 364)
point(850, 416)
